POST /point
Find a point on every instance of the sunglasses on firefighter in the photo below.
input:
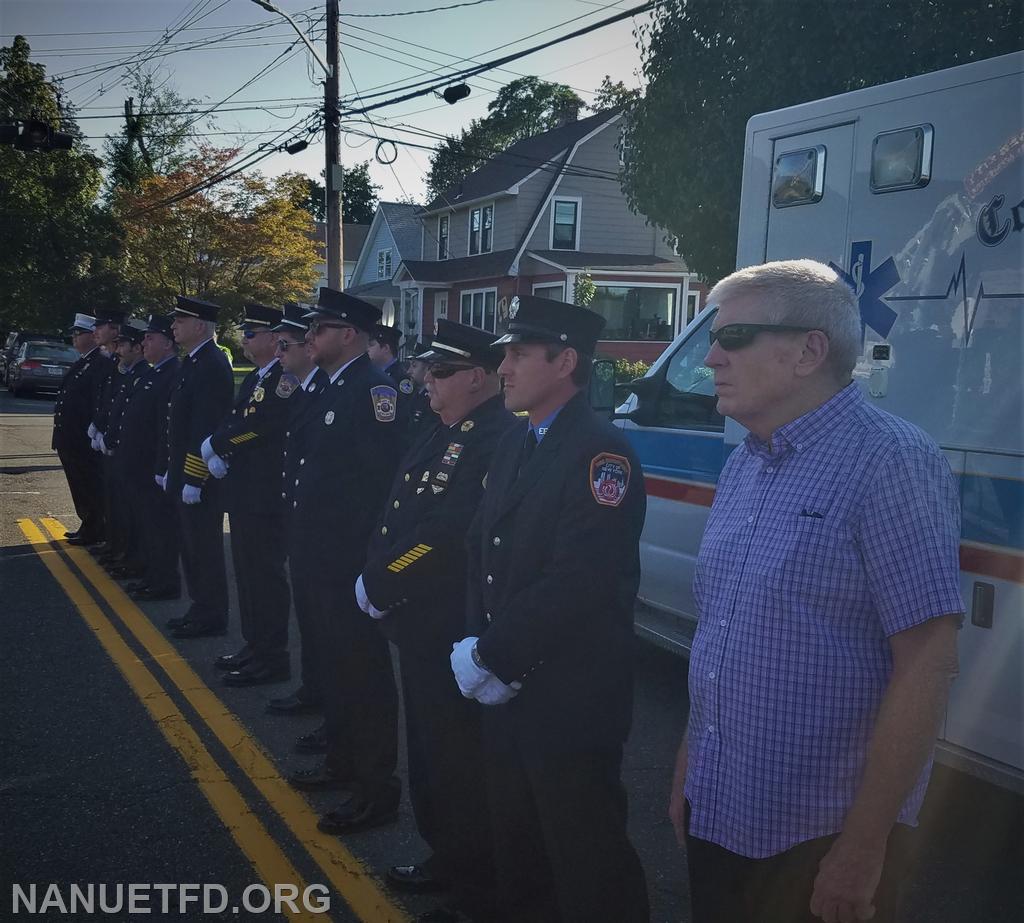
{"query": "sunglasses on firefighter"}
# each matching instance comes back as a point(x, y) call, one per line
point(447, 370)
point(737, 336)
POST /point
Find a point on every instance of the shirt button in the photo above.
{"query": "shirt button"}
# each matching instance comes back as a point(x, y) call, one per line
point(722, 623)
point(711, 729)
point(396, 504)
point(302, 461)
point(407, 478)
point(490, 579)
point(711, 675)
point(497, 541)
point(488, 617)
point(769, 469)
point(750, 519)
point(383, 530)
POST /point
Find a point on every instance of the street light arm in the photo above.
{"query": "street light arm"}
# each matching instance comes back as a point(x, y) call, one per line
point(316, 54)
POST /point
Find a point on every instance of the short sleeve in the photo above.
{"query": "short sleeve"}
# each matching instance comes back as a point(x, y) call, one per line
point(909, 537)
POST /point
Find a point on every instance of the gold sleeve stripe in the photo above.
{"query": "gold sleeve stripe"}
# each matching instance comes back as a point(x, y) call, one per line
point(242, 437)
point(195, 467)
point(410, 557)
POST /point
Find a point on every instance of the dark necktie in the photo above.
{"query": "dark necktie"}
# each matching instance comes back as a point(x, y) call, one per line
point(529, 446)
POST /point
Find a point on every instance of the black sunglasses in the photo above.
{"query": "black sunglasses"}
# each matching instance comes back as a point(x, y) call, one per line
point(446, 371)
point(737, 336)
point(285, 345)
point(317, 325)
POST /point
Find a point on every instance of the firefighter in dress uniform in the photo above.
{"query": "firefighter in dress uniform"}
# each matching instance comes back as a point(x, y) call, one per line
point(72, 417)
point(246, 451)
point(415, 582)
point(554, 568)
point(385, 342)
point(201, 399)
point(341, 482)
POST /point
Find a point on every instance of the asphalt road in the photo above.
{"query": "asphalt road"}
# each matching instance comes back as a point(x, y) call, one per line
point(123, 759)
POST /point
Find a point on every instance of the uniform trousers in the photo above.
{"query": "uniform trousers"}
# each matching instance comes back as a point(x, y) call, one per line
point(258, 554)
point(85, 481)
point(303, 595)
point(357, 679)
point(113, 506)
point(160, 536)
point(202, 558)
point(729, 888)
point(446, 778)
point(559, 819)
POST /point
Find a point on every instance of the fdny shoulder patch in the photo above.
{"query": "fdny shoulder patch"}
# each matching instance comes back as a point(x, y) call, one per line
point(384, 399)
point(405, 386)
point(286, 385)
point(609, 478)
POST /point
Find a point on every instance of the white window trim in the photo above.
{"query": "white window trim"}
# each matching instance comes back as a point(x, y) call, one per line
point(483, 291)
point(469, 227)
point(448, 238)
point(579, 223)
point(389, 251)
point(678, 324)
point(560, 285)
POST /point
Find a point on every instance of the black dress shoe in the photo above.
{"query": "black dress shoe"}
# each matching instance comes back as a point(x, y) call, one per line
point(135, 586)
point(149, 594)
point(318, 779)
point(125, 572)
point(358, 814)
point(292, 705)
point(257, 674)
point(313, 742)
point(176, 622)
point(86, 541)
point(70, 535)
point(240, 658)
point(199, 630)
point(414, 878)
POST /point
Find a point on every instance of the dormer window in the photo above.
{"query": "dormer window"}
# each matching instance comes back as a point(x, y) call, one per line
point(565, 219)
point(384, 264)
point(442, 237)
point(481, 230)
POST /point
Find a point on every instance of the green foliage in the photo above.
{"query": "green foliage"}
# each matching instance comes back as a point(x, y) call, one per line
point(613, 95)
point(522, 108)
point(56, 246)
point(358, 196)
point(627, 370)
point(710, 66)
point(583, 289)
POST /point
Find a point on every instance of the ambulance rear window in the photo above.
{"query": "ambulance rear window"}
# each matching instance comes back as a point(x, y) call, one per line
point(799, 177)
point(901, 159)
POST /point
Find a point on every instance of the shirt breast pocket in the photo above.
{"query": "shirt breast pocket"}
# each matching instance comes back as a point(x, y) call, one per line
point(816, 564)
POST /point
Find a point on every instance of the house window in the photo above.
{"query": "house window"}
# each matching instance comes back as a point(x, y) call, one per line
point(692, 305)
point(636, 312)
point(555, 292)
point(384, 264)
point(477, 308)
point(565, 224)
point(481, 230)
point(442, 237)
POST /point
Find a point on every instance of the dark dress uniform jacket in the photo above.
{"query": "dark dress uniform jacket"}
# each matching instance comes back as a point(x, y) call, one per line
point(105, 392)
point(554, 568)
point(122, 389)
point(145, 416)
point(200, 401)
point(302, 409)
point(416, 565)
point(251, 438)
point(76, 401)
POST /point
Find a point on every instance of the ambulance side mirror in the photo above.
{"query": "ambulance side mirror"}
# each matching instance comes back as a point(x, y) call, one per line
point(602, 385)
point(646, 391)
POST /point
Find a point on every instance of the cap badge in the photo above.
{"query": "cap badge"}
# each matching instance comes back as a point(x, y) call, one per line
point(513, 308)
point(467, 426)
point(329, 417)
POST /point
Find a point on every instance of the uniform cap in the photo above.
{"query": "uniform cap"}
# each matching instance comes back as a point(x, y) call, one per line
point(260, 315)
point(542, 320)
point(133, 330)
point(110, 316)
point(161, 323)
point(193, 307)
point(454, 342)
point(344, 307)
point(292, 319)
point(83, 322)
point(388, 335)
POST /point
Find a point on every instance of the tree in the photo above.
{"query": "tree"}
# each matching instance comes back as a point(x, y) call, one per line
point(244, 239)
point(358, 196)
point(613, 95)
point(711, 66)
point(522, 108)
point(56, 246)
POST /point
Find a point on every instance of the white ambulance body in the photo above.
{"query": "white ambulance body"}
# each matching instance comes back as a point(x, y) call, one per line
point(915, 190)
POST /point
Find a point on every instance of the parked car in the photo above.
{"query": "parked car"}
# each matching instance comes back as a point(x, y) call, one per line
point(39, 366)
point(13, 344)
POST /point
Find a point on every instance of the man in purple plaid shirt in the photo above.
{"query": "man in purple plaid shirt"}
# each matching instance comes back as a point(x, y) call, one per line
point(828, 592)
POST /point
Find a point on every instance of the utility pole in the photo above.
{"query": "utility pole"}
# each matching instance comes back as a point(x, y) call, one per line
point(332, 147)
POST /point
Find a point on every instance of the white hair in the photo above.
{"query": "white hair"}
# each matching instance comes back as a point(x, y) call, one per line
point(209, 326)
point(804, 293)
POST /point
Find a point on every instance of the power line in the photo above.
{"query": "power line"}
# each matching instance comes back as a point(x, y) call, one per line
point(433, 9)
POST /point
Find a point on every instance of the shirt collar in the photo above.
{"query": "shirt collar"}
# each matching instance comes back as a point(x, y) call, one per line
point(200, 346)
point(162, 361)
point(91, 351)
point(308, 380)
point(337, 374)
point(800, 433)
point(267, 368)
point(541, 429)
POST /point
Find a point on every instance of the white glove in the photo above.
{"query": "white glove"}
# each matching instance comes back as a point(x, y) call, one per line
point(468, 675)
point(218, 467)
point(375, 613)
point(101, 441)
point(91, 431)
point(495, 692)
point(361, 597)
point(95, 443)
point(161, 480)
point(207, 449)
point(190, 495)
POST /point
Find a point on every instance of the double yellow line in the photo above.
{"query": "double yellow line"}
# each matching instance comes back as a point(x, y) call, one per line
point(344, 871)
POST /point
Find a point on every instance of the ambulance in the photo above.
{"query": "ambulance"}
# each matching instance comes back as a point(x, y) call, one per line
point(914, 192)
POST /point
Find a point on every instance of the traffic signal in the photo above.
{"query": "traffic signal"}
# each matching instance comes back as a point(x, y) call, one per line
point(454, 93)
point(33, 135)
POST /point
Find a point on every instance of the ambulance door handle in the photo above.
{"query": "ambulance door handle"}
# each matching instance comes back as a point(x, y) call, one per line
point(982, 604)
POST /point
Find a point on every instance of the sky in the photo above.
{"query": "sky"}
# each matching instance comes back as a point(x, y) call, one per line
point(91, 42)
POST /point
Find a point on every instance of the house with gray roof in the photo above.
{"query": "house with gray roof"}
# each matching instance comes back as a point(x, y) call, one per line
point(532, 220)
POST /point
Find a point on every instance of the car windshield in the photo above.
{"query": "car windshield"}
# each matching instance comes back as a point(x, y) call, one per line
point(50, 351)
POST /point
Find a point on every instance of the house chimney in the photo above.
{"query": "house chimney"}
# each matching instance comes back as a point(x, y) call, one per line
point(567, 112)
